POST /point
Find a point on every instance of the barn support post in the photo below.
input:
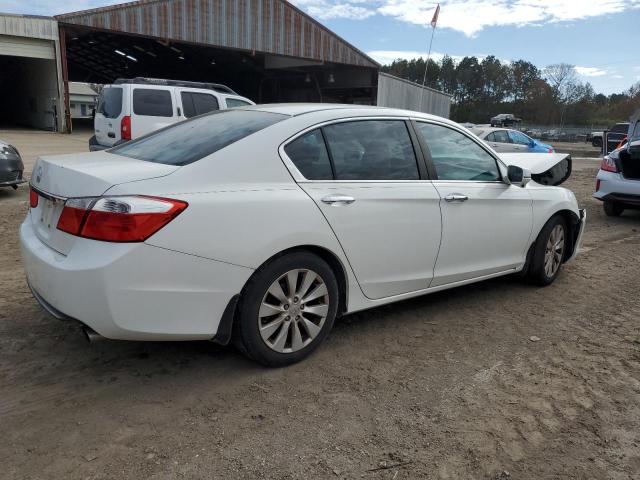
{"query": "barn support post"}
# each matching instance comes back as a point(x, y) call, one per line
point(65, 79)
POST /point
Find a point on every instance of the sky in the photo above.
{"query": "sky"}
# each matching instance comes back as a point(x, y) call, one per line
point(599, 37)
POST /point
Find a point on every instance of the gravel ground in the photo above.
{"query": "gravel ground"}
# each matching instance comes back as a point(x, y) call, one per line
point(445, 386)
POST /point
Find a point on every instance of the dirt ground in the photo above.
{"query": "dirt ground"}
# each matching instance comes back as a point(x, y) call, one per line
point(444, 386)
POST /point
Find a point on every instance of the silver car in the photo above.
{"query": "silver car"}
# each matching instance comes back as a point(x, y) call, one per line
point(509, 140)
point(618, 181)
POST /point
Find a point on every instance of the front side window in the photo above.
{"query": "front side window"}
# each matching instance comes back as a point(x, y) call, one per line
point(192, 140)
point(236, 102)
point(519, 138)
point(309, 154)
point(456, 156)
point(152, 103)
point(194, 103)
point(371, 150)
point(110, 104)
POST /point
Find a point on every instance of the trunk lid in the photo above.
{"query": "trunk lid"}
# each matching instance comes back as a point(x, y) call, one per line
point(59, 177)
point(545, 168)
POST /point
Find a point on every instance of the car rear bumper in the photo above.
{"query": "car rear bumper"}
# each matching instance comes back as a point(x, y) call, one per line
point(131, 291)
point(94, 146)
point(614, 187)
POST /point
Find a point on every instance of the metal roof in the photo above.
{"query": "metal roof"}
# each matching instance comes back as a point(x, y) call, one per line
point(267, 26)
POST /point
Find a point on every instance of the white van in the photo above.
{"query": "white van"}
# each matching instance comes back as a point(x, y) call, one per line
point(130, 108)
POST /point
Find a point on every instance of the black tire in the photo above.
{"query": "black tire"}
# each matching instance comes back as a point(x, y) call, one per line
point(537, 273)
point(612, 209)
point(246, 330)
point(596, 142)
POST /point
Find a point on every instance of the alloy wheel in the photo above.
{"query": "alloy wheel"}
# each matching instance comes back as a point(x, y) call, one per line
point(293, 310)
point(554, 251)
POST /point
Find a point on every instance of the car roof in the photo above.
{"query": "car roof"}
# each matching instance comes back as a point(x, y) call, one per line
point(297, 109)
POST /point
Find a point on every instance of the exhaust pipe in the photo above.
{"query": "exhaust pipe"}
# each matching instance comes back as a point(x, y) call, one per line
point(91, 335)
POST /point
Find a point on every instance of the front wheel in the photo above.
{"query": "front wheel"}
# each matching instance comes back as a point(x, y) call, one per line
point(612, 209)
point(549, 251)
point(287, 309)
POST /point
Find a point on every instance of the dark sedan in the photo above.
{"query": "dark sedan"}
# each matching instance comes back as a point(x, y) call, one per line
point(11, 166)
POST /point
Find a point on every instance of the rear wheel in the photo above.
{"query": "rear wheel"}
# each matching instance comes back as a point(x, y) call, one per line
point(549, 251)
point(287, 309)
point(613, 209)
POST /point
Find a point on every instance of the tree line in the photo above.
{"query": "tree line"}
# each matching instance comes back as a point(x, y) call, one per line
point(483, 88)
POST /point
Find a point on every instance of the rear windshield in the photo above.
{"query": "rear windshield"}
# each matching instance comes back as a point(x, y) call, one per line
point(194, 139)
point(110, 104)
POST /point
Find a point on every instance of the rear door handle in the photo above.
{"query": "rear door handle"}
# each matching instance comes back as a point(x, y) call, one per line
point(338, 200)
point(456, 197)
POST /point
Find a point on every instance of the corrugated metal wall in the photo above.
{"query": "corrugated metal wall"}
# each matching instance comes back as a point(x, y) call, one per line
point(399, 93)
point(268, 26)
point(25, 26)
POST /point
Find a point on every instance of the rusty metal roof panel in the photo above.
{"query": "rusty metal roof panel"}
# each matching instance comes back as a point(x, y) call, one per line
point(268, 26)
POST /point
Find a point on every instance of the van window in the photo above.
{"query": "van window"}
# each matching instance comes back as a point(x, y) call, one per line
point(152, 103)
point(236, 102)
point(194, 103)
point(110, 104)
point(191, 140)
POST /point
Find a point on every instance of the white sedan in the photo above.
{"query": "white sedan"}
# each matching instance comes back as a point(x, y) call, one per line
point(263, 224)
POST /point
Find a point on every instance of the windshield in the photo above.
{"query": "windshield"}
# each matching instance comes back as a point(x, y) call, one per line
point(194, 139)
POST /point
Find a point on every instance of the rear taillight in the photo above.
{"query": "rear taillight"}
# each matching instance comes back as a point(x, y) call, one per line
point(125, 128)
point(118, 219)
point(33, 198)
point(608, 165)
point(550, 150)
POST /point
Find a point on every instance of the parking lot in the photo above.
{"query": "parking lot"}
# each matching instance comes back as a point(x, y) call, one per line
point(493, 380)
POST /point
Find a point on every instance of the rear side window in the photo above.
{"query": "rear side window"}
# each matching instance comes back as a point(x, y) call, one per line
point(501, 136)
point(620, 128)
point(372, 150)
point(110, 104)
point(236, 102)
point(309, 154)
point(152, 103)
point(191, 140)
point(195, 103)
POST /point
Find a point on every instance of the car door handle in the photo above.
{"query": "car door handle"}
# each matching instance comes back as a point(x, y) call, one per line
point(338, 200)
point(456, 197)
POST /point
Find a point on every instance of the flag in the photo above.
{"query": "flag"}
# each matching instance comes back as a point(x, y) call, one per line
point(434, 20)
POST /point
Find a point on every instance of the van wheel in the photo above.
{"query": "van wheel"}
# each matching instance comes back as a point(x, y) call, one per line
point(549, 251)
point(287, 309)
point(612, 209)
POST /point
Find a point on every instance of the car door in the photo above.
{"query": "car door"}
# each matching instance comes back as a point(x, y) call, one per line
point(486, 223)
point(500, 141)
point(152, 109)
point(522, 143)
point(365, 177)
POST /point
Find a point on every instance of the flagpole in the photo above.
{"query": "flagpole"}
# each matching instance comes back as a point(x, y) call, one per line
point(434, 23)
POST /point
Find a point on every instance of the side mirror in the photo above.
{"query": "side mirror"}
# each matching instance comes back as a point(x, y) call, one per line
point(518, 176)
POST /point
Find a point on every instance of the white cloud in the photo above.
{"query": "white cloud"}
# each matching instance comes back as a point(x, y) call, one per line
point(385, 57)
point(469, 16)
point(345, 10)
point(590, 71)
